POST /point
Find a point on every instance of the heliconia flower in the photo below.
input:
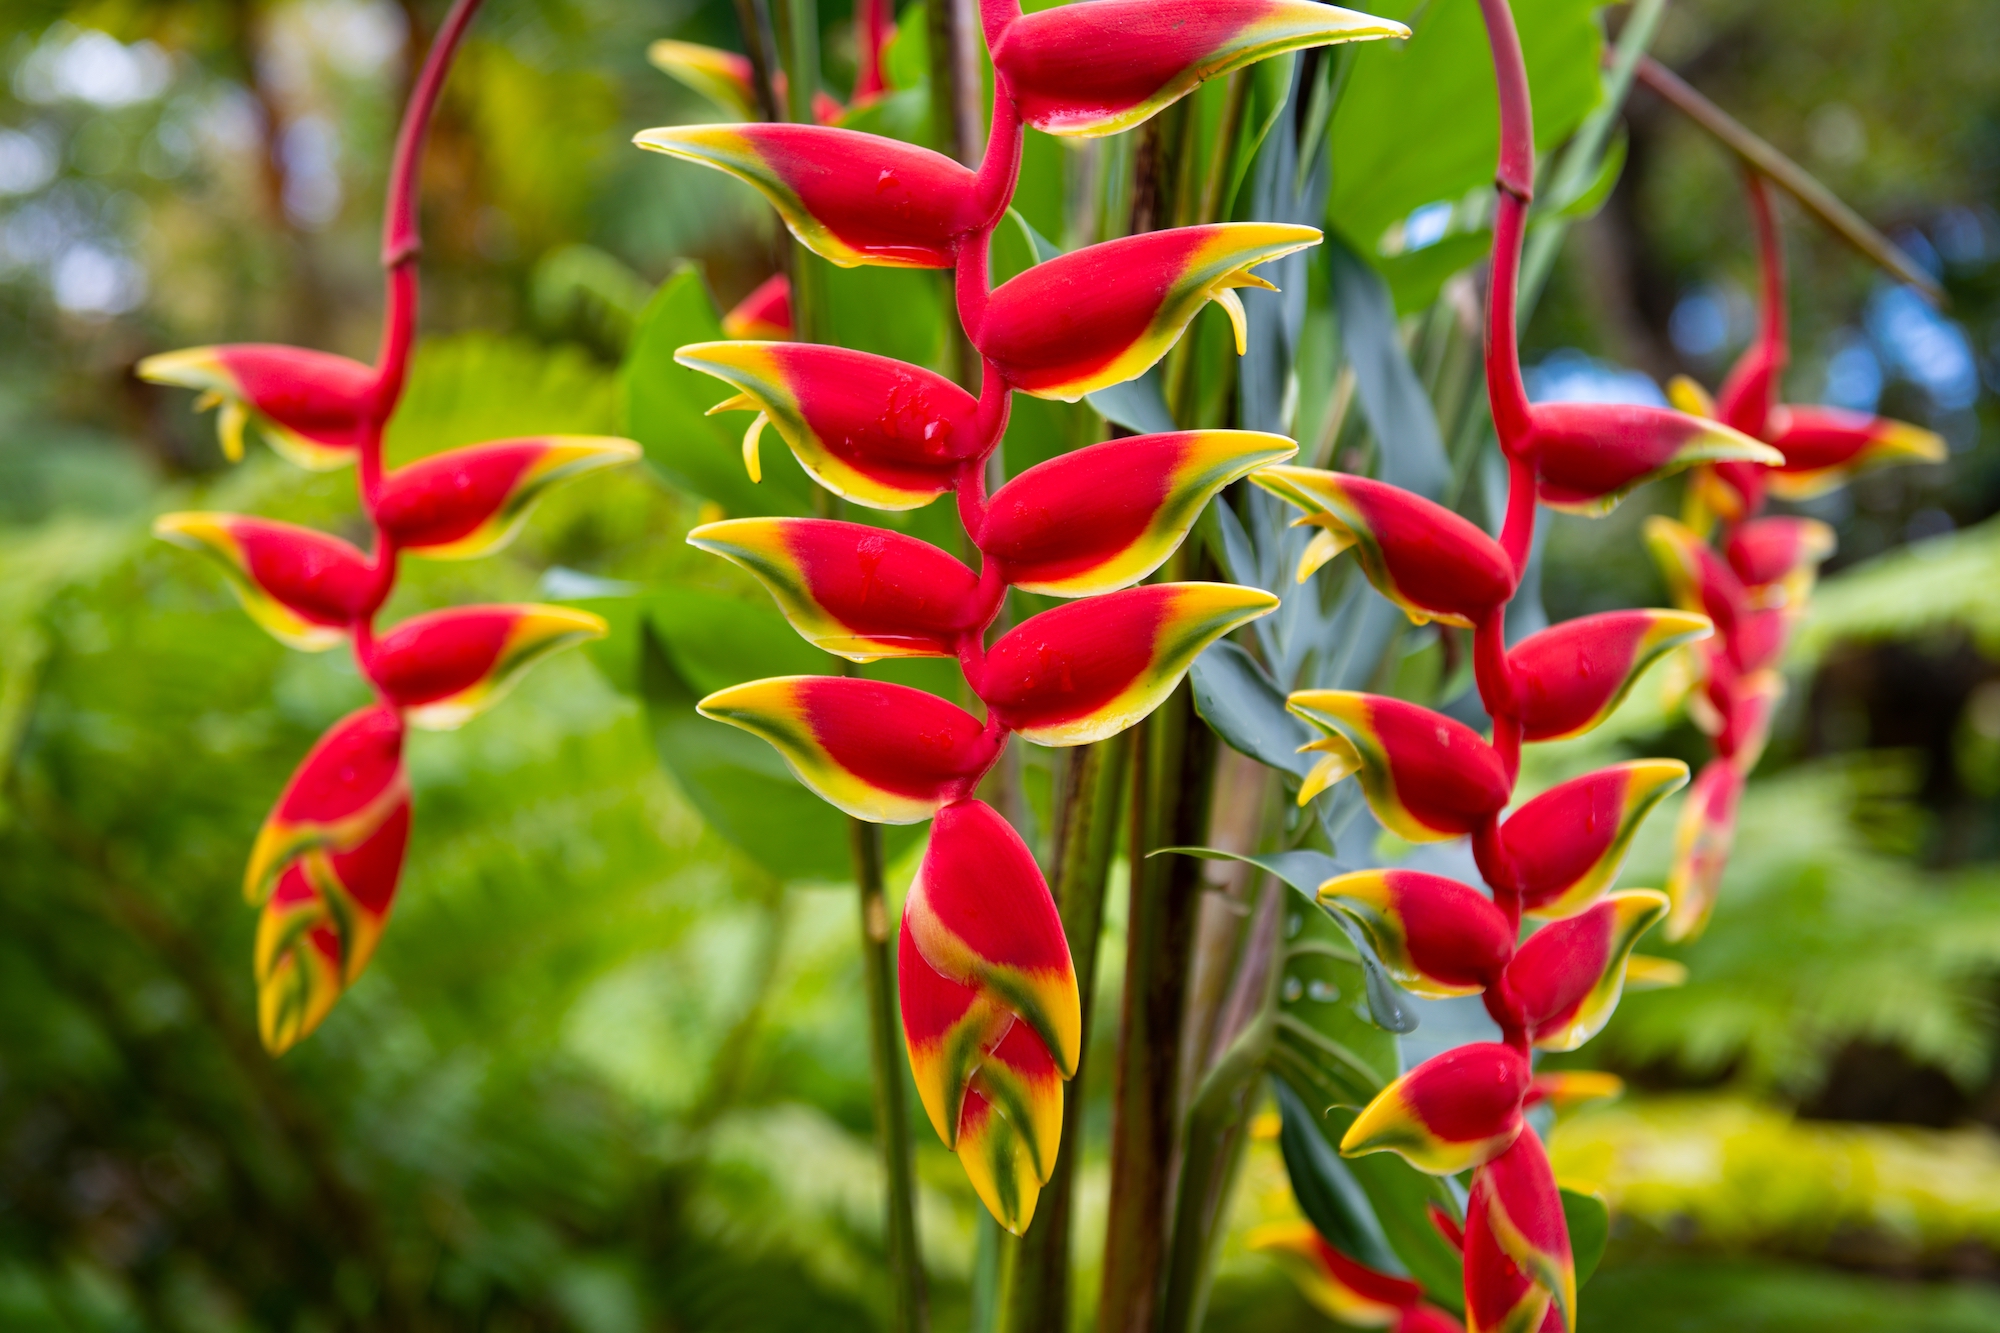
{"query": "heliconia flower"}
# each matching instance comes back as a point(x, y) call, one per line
point(1563, 849)
point(1768, 552)
point(849, 197)
point(305, 587)
point(1088, 670)
point(1516, 1209)
point(1571, 676)
point(445, 667)
point(1452, 1112)
point(1435, 936)
point(856, 591)
point(1568, 1088)
point(320, 926)
point(1104, 314)
point(1109, 514)
point(1758, 638)
point(1649, 972)
point(1110, 65)
point(1336, 1285)
point(1824, 446)
point(726, 79)
point(1589, 456)
point(1426, 776)
point(1699, 579)
point(885, 753)
point(876, 431)
point(1746, 726)
point(314, 407)
point(470, 502)
point(766, 313)
point(349, 784)
point(1702, 840)
point(1423, 557)
point(990, 1008)
point(1567, 977)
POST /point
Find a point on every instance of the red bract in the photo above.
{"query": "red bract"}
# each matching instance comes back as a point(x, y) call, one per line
point(765, 314)
point(1452, 1112)
point(1586, 457)
point(1426, 776)
point(1570, 677)
point(1435, 936)
point(326, 863)
point(1350, 1292)
point(1558, 852)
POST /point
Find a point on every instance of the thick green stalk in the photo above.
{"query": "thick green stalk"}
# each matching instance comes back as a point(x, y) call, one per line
point(1086, 839)
point(798, 49)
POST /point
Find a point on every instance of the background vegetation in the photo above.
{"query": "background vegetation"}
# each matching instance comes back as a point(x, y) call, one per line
point(608, 1074)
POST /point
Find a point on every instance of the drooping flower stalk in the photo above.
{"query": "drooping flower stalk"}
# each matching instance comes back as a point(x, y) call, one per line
point(990, 1007)
point(1428, 778)
point(1754, 584)
point(325, 866)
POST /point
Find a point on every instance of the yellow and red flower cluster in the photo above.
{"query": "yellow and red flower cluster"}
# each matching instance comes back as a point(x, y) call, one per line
point(326, 863)
point(989, 1001)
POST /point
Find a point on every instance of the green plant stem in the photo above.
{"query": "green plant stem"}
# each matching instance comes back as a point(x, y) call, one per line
point(754, 18)
point(1086, 839)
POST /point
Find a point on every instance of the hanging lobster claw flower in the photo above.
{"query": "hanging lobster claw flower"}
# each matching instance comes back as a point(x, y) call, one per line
point(884, 753)
point(1822, 447)
point(346, 788)
point(314, 407)
point(1516, 1234)
point(990, 1008)
point(1569, 677)
point(1104, 314)
point(1746, 726)
point(305, 587)
point(1109, 514)
point(1698, 578)
point(445, 667)
point(1431, 562)
point(723, 77)
point(1452, 1112)
point(849, 197)
point(765, 314)
point(1088, 670)
point(1334, 1284)
point(470, 502)
point(1779, 552)
point(297, 963)
point(879, 432)
point(1110, 65)
point(1563, 849)
point(1568, 976)
point(856, 591)
point(1427, 777)
point(1589, 456)
point(1435, 936)
point(1702, 840)
point(1566, 1089)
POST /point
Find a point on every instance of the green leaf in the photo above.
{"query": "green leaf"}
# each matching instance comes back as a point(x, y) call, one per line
point(1415, 277)
point(664, 404)
point(1418, 122)
point(1304, 870)
point(1237, 698)
point(476, 387)
point(1392, 398)
point(1326, 1190)
point(897, 312)
point(1589, 1228)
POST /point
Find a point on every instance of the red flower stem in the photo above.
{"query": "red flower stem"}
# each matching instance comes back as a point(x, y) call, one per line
point(400, 241)
point(1771, 259)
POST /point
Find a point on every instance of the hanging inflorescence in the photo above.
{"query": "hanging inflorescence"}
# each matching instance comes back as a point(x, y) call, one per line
point(1429, 778)
point(989, 1000)
point(326, 863)
point(1755, 587)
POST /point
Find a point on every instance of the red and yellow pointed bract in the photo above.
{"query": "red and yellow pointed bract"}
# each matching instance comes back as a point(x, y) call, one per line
point(885, 753)
point(1088, 670)
point(723, 77)
point(470, 502)
point(1570, 677)
point(1823, 447)
point(1518, 1261)
point(1105, 314)
point(1435, 936)
point(1426, 776)
point(1568, 976)
point(860, 592)
point(1110, 65)
point(1452, 1112)
point(1109, 514)
point(849, 197)
point(879, 432)
point(764, 315)
point(1562, 850)
point(347, 786)
point(1588, 456)
point(1423, 557)
point(1336, 1285)
point(446, 667)
point(315, 408)
point(1702, 840)
point(1766, 552)
point(305, 587)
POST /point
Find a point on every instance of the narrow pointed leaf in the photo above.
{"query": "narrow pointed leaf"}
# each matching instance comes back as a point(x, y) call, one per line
point(1570, 677)
point(1109, 514)
point(1426, 776)
point(448, 666)
point(472, 501)
point(1088, 670)
point(305, 587)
